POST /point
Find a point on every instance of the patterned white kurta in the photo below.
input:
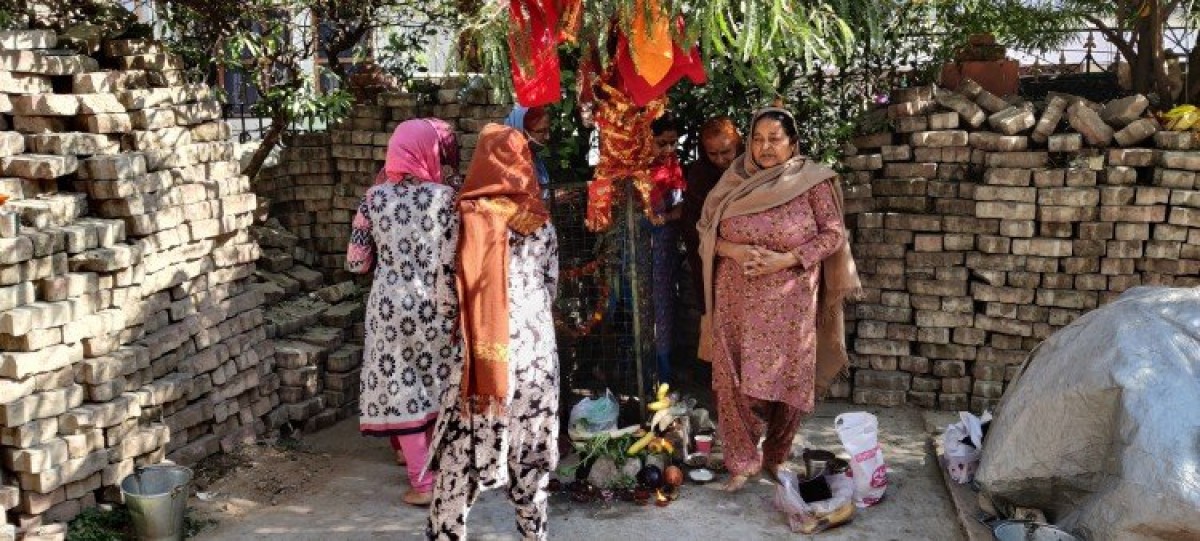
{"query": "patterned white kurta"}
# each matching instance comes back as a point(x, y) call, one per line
point(407, 232)
point(518, 449)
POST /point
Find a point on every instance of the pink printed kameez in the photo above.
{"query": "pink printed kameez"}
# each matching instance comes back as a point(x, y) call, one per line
point(765, 344)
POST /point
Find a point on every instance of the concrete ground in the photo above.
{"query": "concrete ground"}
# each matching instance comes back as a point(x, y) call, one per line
point(346, 487)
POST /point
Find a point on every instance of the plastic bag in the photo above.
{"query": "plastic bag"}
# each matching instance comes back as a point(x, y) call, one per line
point(595, 414)
point(859, 432)
point(810, 518)
point(962, 458)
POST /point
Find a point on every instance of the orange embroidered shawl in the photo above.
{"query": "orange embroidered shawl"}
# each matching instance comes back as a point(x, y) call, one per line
point(500, 193)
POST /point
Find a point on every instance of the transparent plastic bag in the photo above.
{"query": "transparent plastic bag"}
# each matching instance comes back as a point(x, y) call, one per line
point(593, 415)
point(810, 518)
point(962, 459)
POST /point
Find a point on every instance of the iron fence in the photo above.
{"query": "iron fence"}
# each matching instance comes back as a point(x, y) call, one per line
point(603, 313)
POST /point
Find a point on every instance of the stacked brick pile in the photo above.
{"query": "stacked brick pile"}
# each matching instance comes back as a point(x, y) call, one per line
point(982, 225)
point(315, 329)
point(321, 177)
point(128, 331)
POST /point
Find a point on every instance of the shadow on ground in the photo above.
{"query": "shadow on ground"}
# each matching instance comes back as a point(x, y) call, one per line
point(342, 486)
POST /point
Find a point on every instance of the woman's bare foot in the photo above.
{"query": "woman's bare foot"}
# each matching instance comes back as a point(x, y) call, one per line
point(738, 481)
point(735, 483)
point(418, 499)
point(400, 461)
point(771, 472)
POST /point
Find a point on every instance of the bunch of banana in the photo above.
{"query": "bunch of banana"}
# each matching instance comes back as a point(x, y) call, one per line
point(661, 400)
point(651, 441)
point(1182, 118)
point(653, 444)
point(641, 443)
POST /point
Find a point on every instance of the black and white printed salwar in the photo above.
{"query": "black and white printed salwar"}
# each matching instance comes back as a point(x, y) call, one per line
point(518, 449)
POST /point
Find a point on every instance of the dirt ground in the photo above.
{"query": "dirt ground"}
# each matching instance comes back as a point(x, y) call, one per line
point(337, 485)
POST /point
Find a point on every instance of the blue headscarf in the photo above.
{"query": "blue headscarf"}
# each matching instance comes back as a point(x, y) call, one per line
point(516, 120)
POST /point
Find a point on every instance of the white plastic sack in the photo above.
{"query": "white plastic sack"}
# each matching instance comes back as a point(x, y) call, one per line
point(859, 432)
point(803, 516)
point(961, 459)
point(592, 415)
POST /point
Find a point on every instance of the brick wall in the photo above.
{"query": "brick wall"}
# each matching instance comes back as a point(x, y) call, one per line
point(130, 330)
point(315, 189)
point(981, 226)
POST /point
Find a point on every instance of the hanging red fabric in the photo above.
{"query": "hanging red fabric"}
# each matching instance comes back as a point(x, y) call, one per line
point(650, 45)
point(533, 51)
point(667, 176)
point(571, 13)
point(686, 64)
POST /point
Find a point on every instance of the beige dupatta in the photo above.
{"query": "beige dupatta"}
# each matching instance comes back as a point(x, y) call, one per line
point(746, 189)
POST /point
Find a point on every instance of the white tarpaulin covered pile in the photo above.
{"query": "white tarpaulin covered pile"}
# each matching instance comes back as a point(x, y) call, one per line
point(1102, 430)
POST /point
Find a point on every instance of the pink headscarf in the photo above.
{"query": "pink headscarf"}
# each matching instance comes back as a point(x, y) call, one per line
point(418, 148)
point(447, 142)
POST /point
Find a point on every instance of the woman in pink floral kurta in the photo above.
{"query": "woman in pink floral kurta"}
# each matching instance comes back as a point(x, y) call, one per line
point(765, 283)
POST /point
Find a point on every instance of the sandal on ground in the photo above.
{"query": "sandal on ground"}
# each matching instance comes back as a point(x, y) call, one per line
point(418, 499)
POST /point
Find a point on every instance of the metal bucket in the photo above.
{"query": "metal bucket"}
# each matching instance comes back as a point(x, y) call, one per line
point(157, 500)
point(1030, 531)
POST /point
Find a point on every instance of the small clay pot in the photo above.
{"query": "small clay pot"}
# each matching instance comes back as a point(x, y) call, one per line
point(641, 496)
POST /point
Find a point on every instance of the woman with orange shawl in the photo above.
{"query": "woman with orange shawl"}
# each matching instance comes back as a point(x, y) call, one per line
point(777, 266)
point(499, 425)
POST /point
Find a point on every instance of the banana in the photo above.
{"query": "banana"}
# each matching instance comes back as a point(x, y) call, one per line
point(663, 388)
point(640, 444)
point(660, 405)
point(662, 420)
point(1179, 111)
point(1180, 118)
point(1188, 120)
point(839, 516)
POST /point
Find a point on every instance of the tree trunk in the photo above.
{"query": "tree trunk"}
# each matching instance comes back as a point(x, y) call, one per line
point(335, 65)
point(270, 139)
point(1148, 72)
point(1191, 92)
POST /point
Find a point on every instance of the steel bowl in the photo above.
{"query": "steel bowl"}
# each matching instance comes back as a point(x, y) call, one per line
point(1016, 530)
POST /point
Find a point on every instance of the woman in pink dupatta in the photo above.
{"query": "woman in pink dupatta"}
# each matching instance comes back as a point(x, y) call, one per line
point(406, 232)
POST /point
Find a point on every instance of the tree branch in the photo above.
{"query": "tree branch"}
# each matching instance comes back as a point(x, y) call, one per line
point(1113, 37)
point(1168, 9)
